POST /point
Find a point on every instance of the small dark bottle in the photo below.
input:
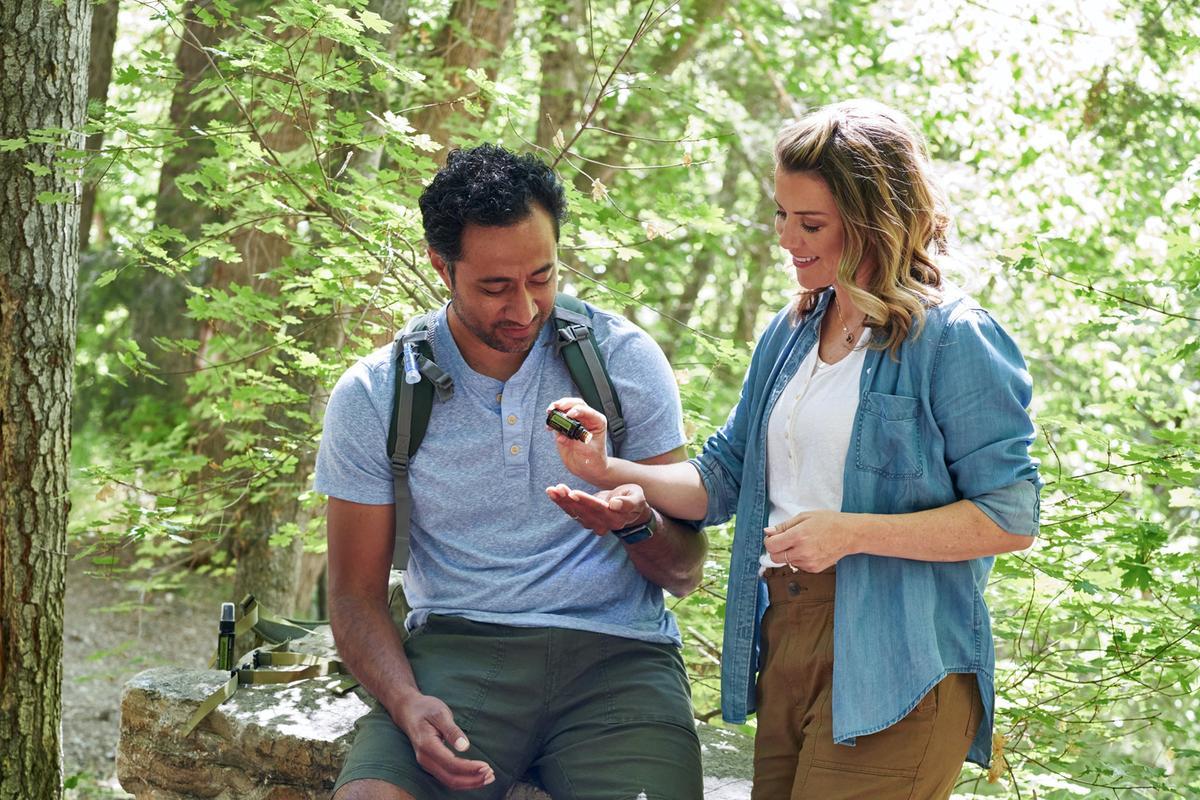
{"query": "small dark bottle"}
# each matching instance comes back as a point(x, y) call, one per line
point(225, 636)
point(572, 429)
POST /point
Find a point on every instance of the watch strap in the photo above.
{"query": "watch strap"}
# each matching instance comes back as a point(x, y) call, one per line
point(640, 532)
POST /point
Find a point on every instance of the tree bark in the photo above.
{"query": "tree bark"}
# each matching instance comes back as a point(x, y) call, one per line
point(758, 259)
point(43, 84)
point(474, 36)
point(100, 64)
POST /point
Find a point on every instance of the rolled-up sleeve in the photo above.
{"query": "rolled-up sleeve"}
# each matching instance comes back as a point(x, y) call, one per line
point(1009, 507)
point(979, 397)
point(721, 486)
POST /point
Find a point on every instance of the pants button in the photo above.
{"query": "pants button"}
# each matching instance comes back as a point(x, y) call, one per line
point(793, 588)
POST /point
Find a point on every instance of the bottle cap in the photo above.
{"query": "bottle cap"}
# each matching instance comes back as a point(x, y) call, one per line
point(227, 623)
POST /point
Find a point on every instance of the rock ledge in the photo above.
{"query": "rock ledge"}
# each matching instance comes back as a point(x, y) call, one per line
point(288, 742)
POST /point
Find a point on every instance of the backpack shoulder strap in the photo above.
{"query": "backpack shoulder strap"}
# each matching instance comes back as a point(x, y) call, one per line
point(577, 345)
point(412, 405)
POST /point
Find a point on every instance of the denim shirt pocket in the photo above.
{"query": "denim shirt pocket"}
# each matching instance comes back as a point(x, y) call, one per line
point(888, 440)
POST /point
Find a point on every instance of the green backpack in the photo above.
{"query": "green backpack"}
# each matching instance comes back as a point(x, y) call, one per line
point(412, 403)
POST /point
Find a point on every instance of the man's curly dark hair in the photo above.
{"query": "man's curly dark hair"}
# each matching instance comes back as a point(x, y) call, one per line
point(486, 185)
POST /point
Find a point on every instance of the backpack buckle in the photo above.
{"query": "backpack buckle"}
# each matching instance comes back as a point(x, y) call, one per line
point(569, 334)
point(399, 463)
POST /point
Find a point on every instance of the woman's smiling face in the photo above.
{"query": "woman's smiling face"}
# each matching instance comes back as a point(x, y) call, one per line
point(809, 227)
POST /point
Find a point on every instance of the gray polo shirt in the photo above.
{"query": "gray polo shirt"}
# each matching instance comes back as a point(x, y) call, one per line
point(487, 544)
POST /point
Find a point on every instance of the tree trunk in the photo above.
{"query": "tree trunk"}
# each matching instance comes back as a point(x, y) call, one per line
point(100, 64)
point(633, 117)
point(366, 159)
point(43, 84)
point(758, 259)
point(172, 208)
point(160, 311)
point(564, 71)
point(474, 36)
point(702, 265)
point(280, 577)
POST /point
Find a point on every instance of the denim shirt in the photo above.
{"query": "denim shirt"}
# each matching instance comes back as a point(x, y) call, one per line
point(944, 421)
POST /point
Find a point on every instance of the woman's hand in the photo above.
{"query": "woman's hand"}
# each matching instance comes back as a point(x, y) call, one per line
point(586, 460)
point(813, 541)
point(604, 511)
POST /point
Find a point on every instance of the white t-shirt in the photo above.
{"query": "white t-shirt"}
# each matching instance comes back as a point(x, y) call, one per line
point(808, 436)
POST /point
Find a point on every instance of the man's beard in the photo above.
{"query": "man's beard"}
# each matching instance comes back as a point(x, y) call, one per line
point(492, 336)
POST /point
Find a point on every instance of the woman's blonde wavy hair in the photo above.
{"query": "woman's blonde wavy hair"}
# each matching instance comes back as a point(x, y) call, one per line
point(877, 167)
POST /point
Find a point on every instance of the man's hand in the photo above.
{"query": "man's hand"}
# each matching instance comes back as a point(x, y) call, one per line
point(812, 541)
point(586, 460)
point(604, 511)
point(360, 550)
point(435, 738)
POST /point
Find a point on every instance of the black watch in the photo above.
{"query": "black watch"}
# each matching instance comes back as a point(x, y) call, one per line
point(639, 532)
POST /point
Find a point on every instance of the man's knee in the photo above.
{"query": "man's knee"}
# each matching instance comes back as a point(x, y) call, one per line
point(369, 789)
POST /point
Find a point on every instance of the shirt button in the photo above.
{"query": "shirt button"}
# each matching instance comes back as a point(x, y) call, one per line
point(516, 448)
point(499, 397)
point(512, 419)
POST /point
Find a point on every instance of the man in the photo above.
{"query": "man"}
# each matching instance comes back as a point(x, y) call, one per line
point(535, 643)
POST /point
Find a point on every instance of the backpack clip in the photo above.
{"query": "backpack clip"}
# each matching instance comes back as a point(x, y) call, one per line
point(569, 334)
point(399, 463)
point(443, 384)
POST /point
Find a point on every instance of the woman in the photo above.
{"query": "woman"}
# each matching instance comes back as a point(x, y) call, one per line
point(876, 462)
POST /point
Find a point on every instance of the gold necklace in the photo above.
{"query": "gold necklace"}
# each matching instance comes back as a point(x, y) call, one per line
point(848, 338)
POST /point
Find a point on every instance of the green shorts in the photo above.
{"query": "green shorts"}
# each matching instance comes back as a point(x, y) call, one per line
point(588, 716)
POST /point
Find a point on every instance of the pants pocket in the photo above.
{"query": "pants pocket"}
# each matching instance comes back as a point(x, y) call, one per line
point(896, 751)
point(645, 682)
point(976, 716)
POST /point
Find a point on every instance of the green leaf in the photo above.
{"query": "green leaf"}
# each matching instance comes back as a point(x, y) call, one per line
point(127, 75)
point(373, 22)
point(308, 360)
point(11, 145)
point(54, 198)
point(379, 81)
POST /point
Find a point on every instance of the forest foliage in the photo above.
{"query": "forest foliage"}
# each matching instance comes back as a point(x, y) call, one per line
point(255, 168)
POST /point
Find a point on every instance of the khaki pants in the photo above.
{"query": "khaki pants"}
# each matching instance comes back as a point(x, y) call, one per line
point(918, 758)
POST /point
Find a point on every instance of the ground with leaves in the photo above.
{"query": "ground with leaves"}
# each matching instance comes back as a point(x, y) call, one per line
point(111, 635)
